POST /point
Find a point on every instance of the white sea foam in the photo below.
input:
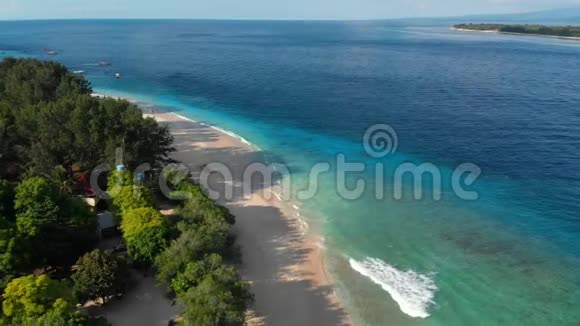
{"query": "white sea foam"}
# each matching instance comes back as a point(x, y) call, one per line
point(413, 292)
point(186, 118)
point(320, 245)
point(227, 132)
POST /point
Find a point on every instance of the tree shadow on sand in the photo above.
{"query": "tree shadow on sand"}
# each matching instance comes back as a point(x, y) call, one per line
point(276, 255)
point(271, 253)
point(197, 141)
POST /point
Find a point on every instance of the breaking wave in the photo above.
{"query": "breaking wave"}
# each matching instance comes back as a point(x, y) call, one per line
point(413, 292)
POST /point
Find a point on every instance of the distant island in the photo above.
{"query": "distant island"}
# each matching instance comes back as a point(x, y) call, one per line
point(558, 31)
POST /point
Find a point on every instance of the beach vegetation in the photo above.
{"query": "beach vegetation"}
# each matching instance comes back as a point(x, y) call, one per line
point(210, 290)
point(191, 245)
point(130, 197)
point(220, 298)
point(146, 233)
point(204, 229)
point(195, 271)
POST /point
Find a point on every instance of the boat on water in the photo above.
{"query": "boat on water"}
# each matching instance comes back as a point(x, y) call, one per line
point(104, 64)
point(79, 72)
point(117, 76)
point(52, 52)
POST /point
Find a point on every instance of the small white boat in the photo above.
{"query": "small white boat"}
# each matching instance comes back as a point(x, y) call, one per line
point(79, 72)
point(104, 64)
point(117, 76)
point(52, 53)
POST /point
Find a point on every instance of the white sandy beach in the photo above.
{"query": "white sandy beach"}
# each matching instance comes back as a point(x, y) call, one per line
point(284, 266)
point(471, 30)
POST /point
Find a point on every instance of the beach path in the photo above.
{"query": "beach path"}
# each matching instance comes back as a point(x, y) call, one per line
point(284, 266)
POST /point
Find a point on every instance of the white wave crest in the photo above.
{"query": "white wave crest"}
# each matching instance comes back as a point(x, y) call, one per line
point(224, 131)
point(413, 292)
point(234, 135)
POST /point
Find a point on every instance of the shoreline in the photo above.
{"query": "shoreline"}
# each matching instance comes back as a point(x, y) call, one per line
point(472, 30)
point(572, 38)
point(270, 261)
point(275, 217)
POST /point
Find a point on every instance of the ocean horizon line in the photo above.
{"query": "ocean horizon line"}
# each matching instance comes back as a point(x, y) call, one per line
point(289, 19)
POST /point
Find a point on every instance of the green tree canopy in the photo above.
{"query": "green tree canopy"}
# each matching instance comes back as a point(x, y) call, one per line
point(37, 195)
point(196, 271)
point(30, 299)
point(205, 230)
point(26, 81)
point(221, 298)
point(146, 232)
point(147, 245)
point(192, 245)
point(88, 131)
point(48, 119)
point(52, 228)
point(8, 139)
point(138, 219)
point(127, 198)
point(100, 274)
point(200, 209)
point(10, 255)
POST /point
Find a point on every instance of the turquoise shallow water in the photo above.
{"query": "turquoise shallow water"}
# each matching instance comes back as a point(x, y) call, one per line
point(306, 92)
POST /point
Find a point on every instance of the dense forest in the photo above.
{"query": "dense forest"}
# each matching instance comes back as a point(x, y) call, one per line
point(53, 133)
point(563, 31)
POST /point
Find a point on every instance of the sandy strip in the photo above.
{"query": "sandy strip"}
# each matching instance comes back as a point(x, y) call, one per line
point(473, 30)
point(284, 266)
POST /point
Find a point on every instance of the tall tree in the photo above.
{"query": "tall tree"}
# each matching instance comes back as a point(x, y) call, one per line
point(55, 228)
point(26, 81)
point(100, 274)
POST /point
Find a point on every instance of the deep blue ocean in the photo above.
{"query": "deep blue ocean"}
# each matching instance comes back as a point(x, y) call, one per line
point(304, 92)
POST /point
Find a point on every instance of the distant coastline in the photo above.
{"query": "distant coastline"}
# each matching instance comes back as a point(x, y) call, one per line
point(561, 32)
